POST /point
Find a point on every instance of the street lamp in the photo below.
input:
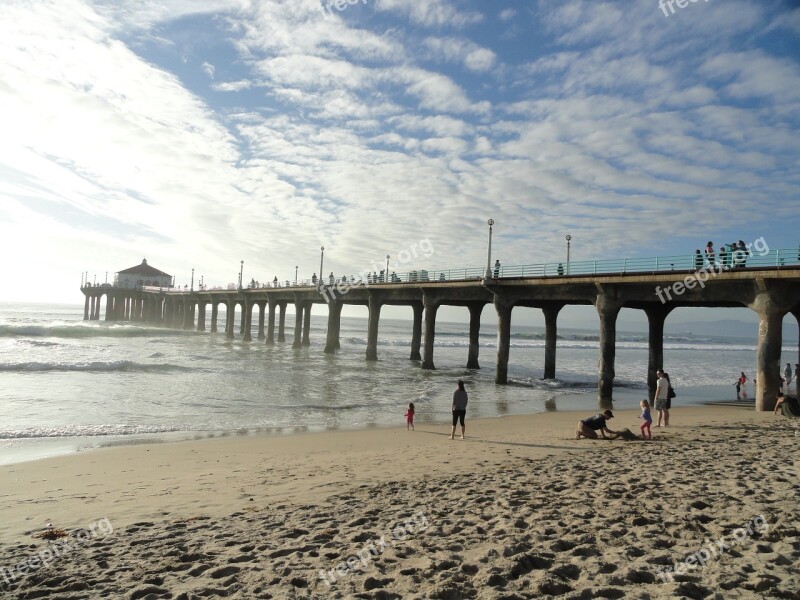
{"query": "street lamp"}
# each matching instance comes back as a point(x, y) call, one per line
point(191, 287)
point(241, 271)
point(295, 274)
point(569, 237)
point(106, 276)
point(321, 257)
point(387, 268)
point(490, 222)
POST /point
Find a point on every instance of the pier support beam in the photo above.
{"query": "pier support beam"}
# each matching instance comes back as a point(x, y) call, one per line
point(230, 320)
point(271, 325)
point(243, 322)
point(416, 332)
point(550, 338)
point(214, 314)
point(298, 325)
point(475, 311)
point(768, 354)
point(188, 316)
point(608, 308)
point(261, 307)
point(796, 313)
point(430, 331)
point(86, 309)
point(656, 315)
point(201, 316)
point(282, 322)
point(307, 324)
point(334, 325)
point(247, 319)
point(372, 329)
point(503, 309)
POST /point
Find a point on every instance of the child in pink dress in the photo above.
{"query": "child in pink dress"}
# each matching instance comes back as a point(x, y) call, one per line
point(410, 416)
point(647, 420)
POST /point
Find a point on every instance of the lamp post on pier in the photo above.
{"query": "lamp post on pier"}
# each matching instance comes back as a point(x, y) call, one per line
point(241, 272)
point(569, 237)
point(490, 222)
point(191, 287)
point(386, 279)
point(321, 257)
point(295, 275)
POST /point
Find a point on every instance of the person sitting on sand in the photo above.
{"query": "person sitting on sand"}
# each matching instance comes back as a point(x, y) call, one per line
point(410, 416)
point(779, 403)
point(588, 427)
point(647, 420)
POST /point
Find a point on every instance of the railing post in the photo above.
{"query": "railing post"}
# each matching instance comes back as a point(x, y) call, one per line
point(657, 267)
point(625, 265)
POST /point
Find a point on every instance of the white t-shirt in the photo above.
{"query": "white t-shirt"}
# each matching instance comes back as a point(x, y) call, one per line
point(662, 388)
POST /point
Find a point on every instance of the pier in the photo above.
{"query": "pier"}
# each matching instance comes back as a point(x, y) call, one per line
point(768, 284)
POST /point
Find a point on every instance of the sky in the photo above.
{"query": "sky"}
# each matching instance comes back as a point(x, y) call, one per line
point(198, 134)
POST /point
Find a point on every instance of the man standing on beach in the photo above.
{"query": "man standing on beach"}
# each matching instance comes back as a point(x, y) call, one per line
point(588, 427)
point(661, 400)
point(787, 373)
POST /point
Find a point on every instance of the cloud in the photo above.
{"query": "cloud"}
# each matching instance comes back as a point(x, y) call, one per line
point(507, 14)
point(208, 69)
point(432, 13)
point(462, 51)
point(368, 131)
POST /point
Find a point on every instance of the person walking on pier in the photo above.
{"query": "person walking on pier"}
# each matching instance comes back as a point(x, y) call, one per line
point(460, 400)
point(661, 398)
point(314, 279)
point(698, 260)
point(723, 257)
point(710, 257)
point(497, 268)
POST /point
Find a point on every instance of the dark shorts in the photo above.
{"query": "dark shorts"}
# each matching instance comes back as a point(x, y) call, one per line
point(458, 415)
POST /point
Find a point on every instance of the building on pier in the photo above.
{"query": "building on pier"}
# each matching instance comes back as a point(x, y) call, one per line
point(141, 275)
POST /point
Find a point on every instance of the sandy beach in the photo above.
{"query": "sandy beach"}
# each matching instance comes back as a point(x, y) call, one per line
point(520, 509)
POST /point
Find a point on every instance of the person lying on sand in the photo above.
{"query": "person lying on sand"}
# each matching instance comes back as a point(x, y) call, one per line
point(588, 427)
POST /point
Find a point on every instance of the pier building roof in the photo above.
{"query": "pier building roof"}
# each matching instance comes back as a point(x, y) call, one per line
point(144, 269)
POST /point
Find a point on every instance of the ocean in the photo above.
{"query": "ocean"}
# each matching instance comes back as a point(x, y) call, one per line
point(69, 385)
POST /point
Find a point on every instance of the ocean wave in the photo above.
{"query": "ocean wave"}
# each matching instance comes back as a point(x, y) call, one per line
point(84, 331)
point(87, 431)
point(583, 386)
point(124, 366)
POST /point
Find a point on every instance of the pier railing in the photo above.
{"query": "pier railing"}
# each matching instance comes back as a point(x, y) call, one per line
point(608, 266)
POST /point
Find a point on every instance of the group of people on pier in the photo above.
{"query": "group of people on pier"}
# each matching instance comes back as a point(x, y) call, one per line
point(731, 256)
